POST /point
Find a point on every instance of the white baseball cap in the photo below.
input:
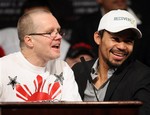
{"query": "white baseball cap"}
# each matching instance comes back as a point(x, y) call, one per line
point(117, 20)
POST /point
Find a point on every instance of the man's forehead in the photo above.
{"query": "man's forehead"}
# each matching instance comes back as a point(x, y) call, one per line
point(128, 34)
point(125, 32)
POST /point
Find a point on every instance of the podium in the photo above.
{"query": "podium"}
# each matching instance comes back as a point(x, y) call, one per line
point(71, 108)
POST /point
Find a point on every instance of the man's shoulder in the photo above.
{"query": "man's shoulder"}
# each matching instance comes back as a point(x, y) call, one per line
point(9, 56)
point(140, 65)
point(56, 65)
point(136, 66)
point(57, 62)
point(84, 64)
point(9, 60)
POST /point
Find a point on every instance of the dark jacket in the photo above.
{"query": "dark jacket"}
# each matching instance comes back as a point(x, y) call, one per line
point(131, 81)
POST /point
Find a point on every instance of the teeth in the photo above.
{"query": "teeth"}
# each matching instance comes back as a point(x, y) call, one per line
point(119, 54)
point(56, 45)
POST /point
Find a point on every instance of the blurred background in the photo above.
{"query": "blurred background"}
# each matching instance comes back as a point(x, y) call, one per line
point(10, 9)
point(68, 13)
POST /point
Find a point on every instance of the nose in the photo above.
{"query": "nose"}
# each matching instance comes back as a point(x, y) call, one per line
point(121, 45)
point(58, 35)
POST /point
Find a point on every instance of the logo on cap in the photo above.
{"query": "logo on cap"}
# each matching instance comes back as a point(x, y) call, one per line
point(126, 19)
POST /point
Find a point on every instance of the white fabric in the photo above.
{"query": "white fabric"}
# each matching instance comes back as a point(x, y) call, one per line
point(130, 11)
point(9, 40)
point(118, 20)
point(21, 81)
point(10, 43)
point(64, 47)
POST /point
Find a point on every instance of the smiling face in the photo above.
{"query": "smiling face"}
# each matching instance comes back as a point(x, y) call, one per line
point(114, 49)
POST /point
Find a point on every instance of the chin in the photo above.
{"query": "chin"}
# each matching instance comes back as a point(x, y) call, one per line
point(114, 64)
point(56, 56)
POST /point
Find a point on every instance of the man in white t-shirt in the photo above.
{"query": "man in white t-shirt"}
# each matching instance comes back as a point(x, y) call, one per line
point(35, 73)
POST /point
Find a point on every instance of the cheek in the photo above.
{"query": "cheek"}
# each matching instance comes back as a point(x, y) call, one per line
point(130, 49)
point(43, 46)
point(106, 46)
point(103, 50)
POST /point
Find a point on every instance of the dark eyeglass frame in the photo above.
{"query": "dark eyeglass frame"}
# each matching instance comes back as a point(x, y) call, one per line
point(62, 33)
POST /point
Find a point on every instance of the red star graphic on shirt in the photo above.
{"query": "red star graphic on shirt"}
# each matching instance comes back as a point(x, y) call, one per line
point(24, 93)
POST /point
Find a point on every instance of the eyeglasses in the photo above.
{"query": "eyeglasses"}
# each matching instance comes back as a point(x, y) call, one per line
point(49, 34)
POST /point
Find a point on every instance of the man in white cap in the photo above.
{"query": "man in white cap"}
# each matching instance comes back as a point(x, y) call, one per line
point(115, 74)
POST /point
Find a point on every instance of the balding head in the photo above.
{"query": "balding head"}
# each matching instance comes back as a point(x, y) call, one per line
point(26, 23)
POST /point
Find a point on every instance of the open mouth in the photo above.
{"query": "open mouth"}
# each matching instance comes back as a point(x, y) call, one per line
point(57, 46)
point(119, 55)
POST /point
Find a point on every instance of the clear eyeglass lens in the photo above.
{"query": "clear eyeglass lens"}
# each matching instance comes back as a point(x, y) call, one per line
point(54, 34)
point(49, 35)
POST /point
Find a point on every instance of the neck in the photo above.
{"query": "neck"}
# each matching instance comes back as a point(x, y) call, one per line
point(102, 75)
point(33, 59)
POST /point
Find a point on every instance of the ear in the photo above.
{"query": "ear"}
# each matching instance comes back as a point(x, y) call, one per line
point(28, 41)
point(97, 38)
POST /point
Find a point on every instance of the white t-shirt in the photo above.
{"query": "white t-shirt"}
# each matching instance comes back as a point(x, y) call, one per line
point(21, 81)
